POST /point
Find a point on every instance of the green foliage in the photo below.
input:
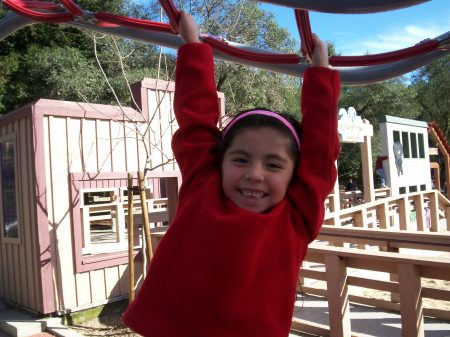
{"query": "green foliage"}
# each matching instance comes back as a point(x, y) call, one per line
point(110, 6)
point(432, 83)
point(65, 73)
point(247, 88)
point(58, 62)
point(394, 97)
point(9, 64)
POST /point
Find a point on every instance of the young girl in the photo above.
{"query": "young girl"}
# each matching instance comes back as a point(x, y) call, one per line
point(228, 264)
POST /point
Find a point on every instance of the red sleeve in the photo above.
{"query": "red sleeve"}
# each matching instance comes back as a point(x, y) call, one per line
point(316, 172)
point(196, 107)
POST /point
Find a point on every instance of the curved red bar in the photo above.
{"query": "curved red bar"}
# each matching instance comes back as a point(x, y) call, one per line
point(138, 23)
point(25, 8)
point(304, 28)
point(19, 8)
point(72, 7)
point(99, 23)
point(251, 56)
point(38, 5)
point(369, 60)
point(172, 13)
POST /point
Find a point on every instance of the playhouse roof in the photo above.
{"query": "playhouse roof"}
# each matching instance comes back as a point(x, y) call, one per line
point(73, 109)
point(402, 121)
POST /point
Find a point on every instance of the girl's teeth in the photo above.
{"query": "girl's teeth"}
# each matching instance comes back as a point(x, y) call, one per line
point(251, 194)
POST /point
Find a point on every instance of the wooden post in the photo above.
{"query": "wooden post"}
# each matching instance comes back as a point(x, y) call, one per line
point(447, 217)
point(403, 213)
point(419, 206)
point(338, 300)
point(383, 215)
point(336, 203)
point(366, 161)
point(447, 174)
point(146, 223)
point(393, 277)
point(130, 238)
point(434, 211)
point(361, 222)
point(410, 300)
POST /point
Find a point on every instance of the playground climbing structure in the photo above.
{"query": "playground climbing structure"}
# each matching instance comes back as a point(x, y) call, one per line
point(353, 69)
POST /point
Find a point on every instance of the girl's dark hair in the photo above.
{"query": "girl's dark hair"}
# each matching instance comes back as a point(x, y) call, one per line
point(258, 121)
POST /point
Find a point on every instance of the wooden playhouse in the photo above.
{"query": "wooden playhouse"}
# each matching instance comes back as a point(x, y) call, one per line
point(63, 195)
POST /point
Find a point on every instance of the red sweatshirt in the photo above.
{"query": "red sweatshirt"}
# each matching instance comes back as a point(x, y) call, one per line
point(221, 270)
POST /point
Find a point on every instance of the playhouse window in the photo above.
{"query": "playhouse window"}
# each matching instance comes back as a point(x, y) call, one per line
point(104, 218)
point(413, 137)
point(396, 135)
point(421, 146)
point(8, 189)
point(102, 221)
point(412, 189)
point(405, 142)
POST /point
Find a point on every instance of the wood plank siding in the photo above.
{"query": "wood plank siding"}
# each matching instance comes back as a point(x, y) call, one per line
point(62, 150)
point(20, 259)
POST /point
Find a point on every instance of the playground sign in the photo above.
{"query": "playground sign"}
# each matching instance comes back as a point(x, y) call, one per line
point(351, 127)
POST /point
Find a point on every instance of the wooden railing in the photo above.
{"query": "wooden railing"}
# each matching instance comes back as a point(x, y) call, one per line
point(394, 236)
point(410, 292)
point(421, 211)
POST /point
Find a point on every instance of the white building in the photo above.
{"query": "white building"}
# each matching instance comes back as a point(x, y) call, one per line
point(405, 142)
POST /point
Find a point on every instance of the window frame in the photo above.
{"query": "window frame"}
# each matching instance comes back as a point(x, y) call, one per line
point(89, 248)
point(421, 144)
point(413, 142)
point(12, 137)
point(78, 181)
point(405, 143)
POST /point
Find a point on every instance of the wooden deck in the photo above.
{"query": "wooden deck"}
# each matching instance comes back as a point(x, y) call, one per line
point(365, 320)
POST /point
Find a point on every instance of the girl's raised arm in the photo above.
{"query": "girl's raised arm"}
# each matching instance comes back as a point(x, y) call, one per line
point(188, 28)
point(320, 53)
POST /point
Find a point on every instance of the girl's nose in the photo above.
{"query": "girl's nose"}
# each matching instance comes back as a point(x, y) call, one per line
point(255, 173)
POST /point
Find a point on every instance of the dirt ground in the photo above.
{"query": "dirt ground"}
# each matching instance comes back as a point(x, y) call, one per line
point(108, 325)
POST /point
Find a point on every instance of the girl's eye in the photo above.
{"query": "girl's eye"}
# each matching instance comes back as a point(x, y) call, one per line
point(239, 160)
point(274, 166)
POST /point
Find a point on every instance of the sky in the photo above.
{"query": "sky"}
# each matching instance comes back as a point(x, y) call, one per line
point(359, 34)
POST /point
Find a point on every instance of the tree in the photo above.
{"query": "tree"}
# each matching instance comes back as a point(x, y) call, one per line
point(432, 83)
point(246, 23)
point(58, 62)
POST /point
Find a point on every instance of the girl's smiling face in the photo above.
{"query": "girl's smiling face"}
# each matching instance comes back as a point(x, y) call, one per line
point(257, 168)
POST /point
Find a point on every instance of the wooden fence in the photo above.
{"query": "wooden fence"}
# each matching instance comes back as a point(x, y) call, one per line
point(421, 211)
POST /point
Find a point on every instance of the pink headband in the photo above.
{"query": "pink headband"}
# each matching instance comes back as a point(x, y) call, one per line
point(265, 113)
